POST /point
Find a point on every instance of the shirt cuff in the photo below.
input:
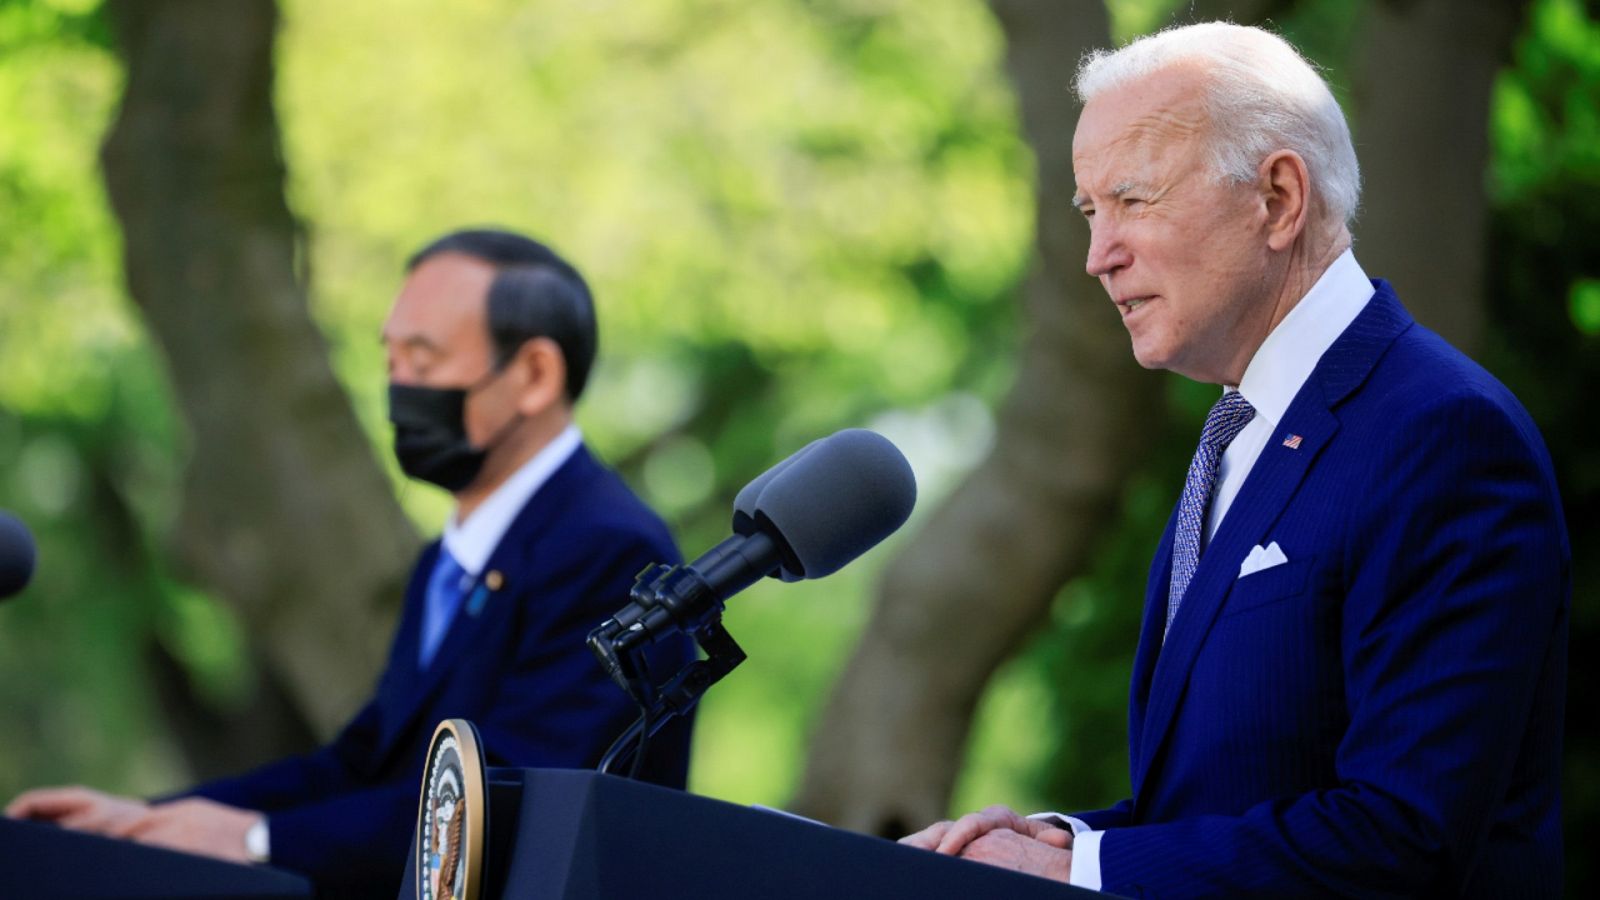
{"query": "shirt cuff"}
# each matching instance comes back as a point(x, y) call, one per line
point(258, 841)
point(1085, 848)
point(1086, 859)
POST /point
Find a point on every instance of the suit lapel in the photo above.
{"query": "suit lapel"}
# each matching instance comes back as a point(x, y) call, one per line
point(402, 677)
point(504, 576)
point(1273, 479)
point(1272, 482)
point(1155, 617)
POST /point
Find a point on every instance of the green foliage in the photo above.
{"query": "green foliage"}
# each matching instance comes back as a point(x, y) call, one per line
point(784, 178)
point(1546, 125)
point(88, 445)
point(1583, 304)
point(797, 216)
point(71, 648)
point(1544, 289)
point(59, 298)
point(1132, 18)
point(29, 23)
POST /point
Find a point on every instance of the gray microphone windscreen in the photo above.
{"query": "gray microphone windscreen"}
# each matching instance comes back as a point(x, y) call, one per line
point(744, 503)
point(835, 501)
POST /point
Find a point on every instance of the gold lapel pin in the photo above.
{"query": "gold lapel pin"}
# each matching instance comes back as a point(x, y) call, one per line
point(494, 580)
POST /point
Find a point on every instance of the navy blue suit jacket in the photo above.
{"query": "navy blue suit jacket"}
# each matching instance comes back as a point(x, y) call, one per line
point(514, 662)
point(1380, 716)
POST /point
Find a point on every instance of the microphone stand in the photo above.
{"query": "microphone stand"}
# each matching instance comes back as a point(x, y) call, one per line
point(622, 654)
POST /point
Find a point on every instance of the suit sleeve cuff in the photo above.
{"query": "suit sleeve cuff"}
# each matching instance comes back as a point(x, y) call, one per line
point(1085, 848)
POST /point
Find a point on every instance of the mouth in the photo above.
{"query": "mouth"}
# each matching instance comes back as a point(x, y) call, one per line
point(1129, 304)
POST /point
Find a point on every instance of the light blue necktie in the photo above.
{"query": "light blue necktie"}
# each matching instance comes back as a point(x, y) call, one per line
point(1226, 419)
point(446, 586)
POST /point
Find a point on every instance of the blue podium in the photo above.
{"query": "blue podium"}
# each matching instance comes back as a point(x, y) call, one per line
point(43, 861)
point(557, 834)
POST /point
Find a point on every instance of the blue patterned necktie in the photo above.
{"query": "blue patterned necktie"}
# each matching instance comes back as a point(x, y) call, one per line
point(446, 586)
point(1226, 419)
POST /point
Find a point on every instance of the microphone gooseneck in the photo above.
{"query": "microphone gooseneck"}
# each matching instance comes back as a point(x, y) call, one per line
point(804, 518)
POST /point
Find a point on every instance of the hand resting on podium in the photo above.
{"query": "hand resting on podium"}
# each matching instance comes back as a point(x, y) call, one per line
point(192, 825)
point(1001, 837)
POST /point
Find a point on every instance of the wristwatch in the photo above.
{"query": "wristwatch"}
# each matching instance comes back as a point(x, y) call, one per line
point(258, 842)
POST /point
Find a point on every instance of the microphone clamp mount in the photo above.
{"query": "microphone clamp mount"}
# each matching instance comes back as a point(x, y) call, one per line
point(664, 599)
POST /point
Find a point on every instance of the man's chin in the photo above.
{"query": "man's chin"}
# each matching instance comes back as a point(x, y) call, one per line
point(1150, 357)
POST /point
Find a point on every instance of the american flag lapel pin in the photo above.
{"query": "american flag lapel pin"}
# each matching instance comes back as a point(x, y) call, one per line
point(1292, 441)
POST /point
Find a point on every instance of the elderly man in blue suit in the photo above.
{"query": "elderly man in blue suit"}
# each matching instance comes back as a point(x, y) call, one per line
point(1351, 671)
point(489, 346)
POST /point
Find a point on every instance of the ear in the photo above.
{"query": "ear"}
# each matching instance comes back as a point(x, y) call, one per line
point(542, 376)
point(1285, 188)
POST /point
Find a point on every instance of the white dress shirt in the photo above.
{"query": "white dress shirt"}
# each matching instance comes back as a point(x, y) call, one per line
point(472, 541)
point(1275, 375)
point(1281, 366)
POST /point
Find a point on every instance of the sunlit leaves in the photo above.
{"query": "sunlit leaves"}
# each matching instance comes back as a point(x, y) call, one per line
point(1584, 304)
point(61, 315)
point(1546, 123)
point(769, 174)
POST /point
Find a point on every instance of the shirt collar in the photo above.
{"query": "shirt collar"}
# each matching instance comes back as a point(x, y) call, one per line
point(471, 542)
point(1289, 354)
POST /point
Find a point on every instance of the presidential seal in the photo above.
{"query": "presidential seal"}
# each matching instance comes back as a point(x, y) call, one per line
point(450, 823)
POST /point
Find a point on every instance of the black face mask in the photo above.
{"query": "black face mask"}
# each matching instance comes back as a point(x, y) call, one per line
point(430, 435)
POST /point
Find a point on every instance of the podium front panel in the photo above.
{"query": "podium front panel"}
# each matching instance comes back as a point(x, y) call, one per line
point(44, 861)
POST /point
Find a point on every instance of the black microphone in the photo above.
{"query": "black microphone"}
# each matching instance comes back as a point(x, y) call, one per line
point(650, 581)
point(17, 555)
point(805, 517)
point(836, 500)
point(809, 516)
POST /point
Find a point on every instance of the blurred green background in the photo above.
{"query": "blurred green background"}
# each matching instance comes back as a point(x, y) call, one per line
point(798, 216)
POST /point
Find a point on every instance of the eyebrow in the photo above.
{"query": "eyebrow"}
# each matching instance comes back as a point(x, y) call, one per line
point(1079, 201)
point(414, 340)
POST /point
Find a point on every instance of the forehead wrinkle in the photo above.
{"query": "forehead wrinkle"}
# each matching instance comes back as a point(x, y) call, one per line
point(1157, 131)
point(1144, 142)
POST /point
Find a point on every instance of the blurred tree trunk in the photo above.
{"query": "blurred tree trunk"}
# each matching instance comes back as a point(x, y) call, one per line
point(979, 577)
point(285, 513)
point(1424, 81)
point(1243, 12)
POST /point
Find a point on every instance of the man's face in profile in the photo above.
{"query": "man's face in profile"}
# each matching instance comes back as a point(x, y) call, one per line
point(437, 335)
point(1180, 251)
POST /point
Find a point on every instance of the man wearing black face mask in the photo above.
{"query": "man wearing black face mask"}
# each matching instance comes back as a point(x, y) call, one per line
point(489, 346)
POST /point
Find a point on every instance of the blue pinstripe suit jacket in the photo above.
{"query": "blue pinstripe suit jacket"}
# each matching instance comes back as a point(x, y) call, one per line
point(1380, 716)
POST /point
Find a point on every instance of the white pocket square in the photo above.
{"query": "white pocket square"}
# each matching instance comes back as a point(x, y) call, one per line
point(1262, 558)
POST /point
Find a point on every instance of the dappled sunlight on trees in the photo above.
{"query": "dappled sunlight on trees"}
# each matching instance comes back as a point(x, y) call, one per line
point(798, 215)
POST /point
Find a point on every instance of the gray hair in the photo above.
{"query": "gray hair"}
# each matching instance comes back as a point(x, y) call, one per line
point(1261, 96)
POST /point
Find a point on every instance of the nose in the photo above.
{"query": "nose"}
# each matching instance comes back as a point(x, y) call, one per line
point(1107, 250)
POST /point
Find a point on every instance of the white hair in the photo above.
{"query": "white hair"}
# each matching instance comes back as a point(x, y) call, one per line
point(1260, 96)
